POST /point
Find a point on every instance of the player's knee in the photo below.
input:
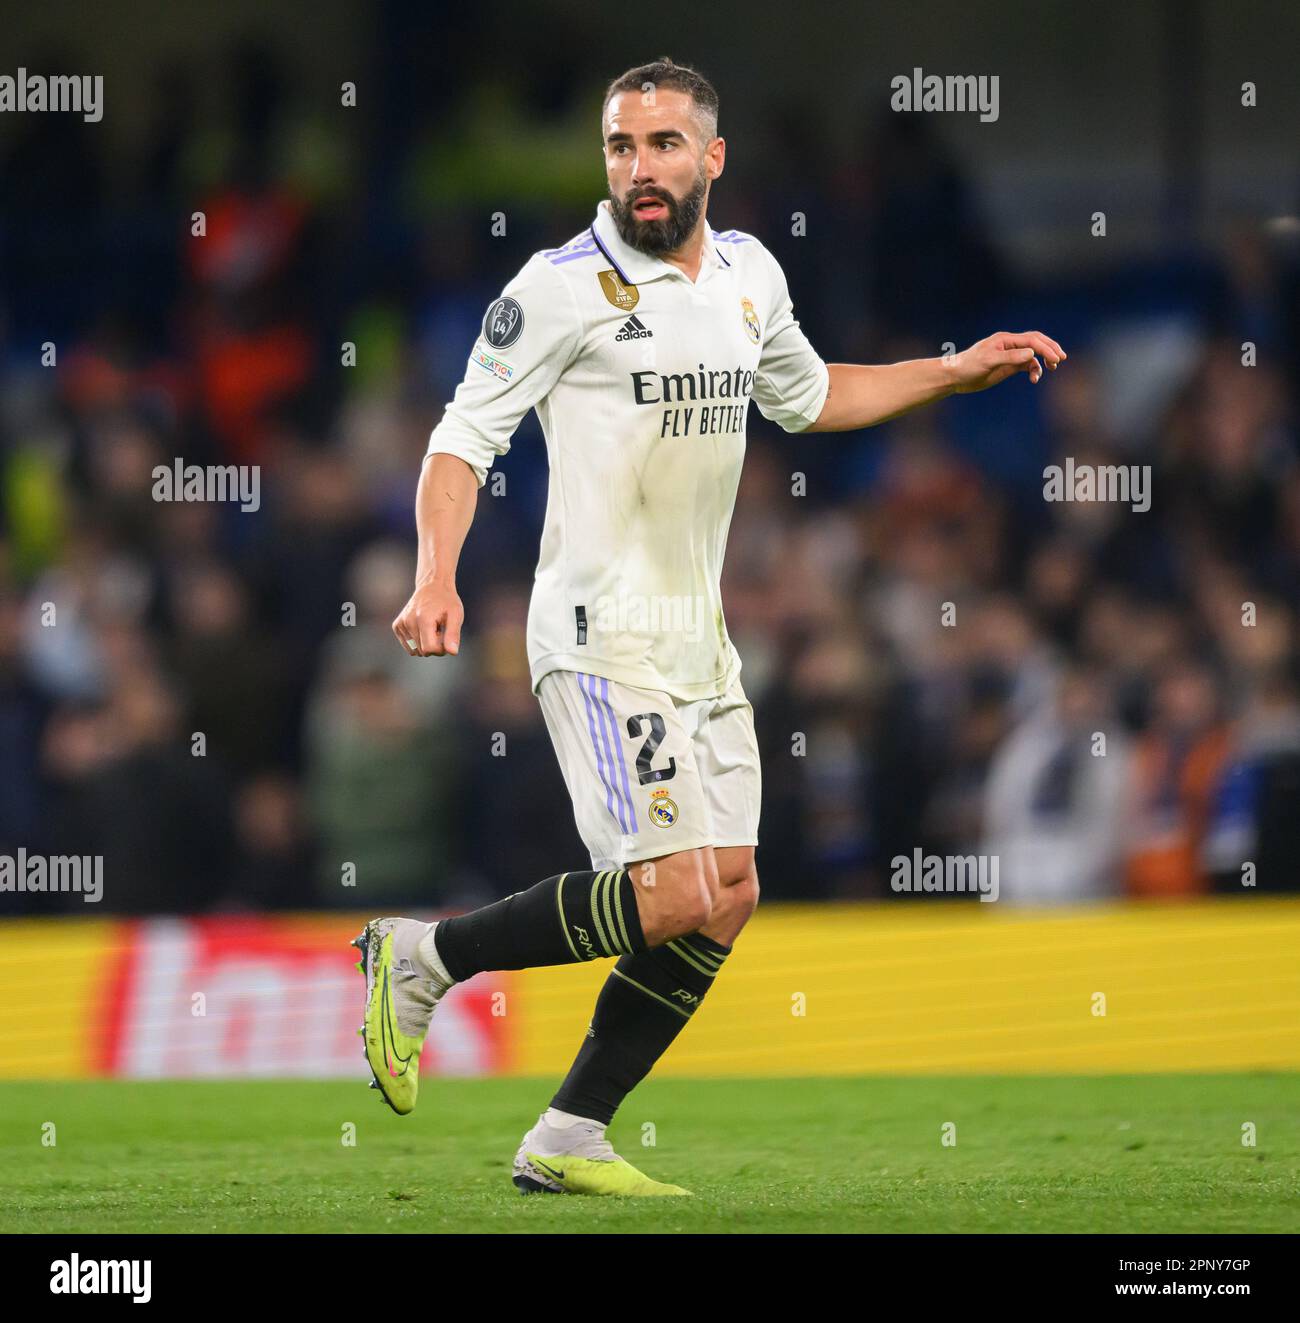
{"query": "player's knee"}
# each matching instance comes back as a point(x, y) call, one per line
point(690, 909)
point(682, 899)
point(690, 902)
point(676, 920)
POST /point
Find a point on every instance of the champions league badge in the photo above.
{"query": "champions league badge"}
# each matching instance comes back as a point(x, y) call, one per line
point(503, 323)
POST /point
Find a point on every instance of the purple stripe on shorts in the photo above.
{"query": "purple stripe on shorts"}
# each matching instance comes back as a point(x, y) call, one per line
point(622, 762)
point(595, 744)
point(606, 733)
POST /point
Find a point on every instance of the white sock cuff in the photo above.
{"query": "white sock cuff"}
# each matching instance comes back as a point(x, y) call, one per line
point(429, 954)
point(562, 1120)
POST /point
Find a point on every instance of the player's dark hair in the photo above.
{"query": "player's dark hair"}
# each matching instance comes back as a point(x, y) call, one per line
point(664, 74)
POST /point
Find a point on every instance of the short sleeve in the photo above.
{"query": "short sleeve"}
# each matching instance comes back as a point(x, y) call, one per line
point(528, 337)
point(792, 381)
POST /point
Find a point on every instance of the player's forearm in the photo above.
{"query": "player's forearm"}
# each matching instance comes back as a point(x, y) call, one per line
point(863, 394)
point(444, 509)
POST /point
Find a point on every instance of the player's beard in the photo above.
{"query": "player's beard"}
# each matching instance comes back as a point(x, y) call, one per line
point(657, 237)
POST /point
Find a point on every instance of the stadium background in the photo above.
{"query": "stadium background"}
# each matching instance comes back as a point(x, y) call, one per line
point(374, 225)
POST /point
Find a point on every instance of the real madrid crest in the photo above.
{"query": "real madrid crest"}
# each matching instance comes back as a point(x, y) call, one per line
point(624, 297)
point(751, 319)
point(663, 812)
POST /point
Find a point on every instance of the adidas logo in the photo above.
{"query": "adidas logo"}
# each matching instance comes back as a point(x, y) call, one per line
point(633, 330)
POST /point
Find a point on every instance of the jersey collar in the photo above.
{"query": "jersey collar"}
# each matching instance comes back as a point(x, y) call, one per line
point(637, 268)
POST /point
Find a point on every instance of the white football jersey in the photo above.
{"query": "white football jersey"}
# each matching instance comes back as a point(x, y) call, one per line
point(641, 379)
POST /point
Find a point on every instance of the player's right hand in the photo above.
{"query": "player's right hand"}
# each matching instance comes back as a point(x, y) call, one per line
point(429, 624)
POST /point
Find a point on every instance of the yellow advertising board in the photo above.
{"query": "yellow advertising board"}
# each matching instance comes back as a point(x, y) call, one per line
point(852, 989)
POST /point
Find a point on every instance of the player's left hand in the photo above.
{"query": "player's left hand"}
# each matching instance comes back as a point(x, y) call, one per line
point(1001, 355)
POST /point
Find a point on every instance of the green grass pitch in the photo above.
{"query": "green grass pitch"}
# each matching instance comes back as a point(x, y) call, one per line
point(1118, 1154)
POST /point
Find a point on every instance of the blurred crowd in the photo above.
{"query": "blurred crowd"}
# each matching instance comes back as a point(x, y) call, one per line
point(212, 700)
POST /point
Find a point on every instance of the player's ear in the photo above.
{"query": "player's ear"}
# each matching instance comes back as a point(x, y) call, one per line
point(715, 157)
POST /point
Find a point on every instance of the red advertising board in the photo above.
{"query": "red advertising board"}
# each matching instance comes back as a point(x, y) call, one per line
point(274, 997)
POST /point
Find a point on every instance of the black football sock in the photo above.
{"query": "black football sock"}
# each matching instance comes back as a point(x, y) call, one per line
point(644, 1005)
point(562, 921)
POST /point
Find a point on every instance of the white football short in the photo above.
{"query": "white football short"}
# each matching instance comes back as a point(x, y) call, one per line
point(649, 774)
